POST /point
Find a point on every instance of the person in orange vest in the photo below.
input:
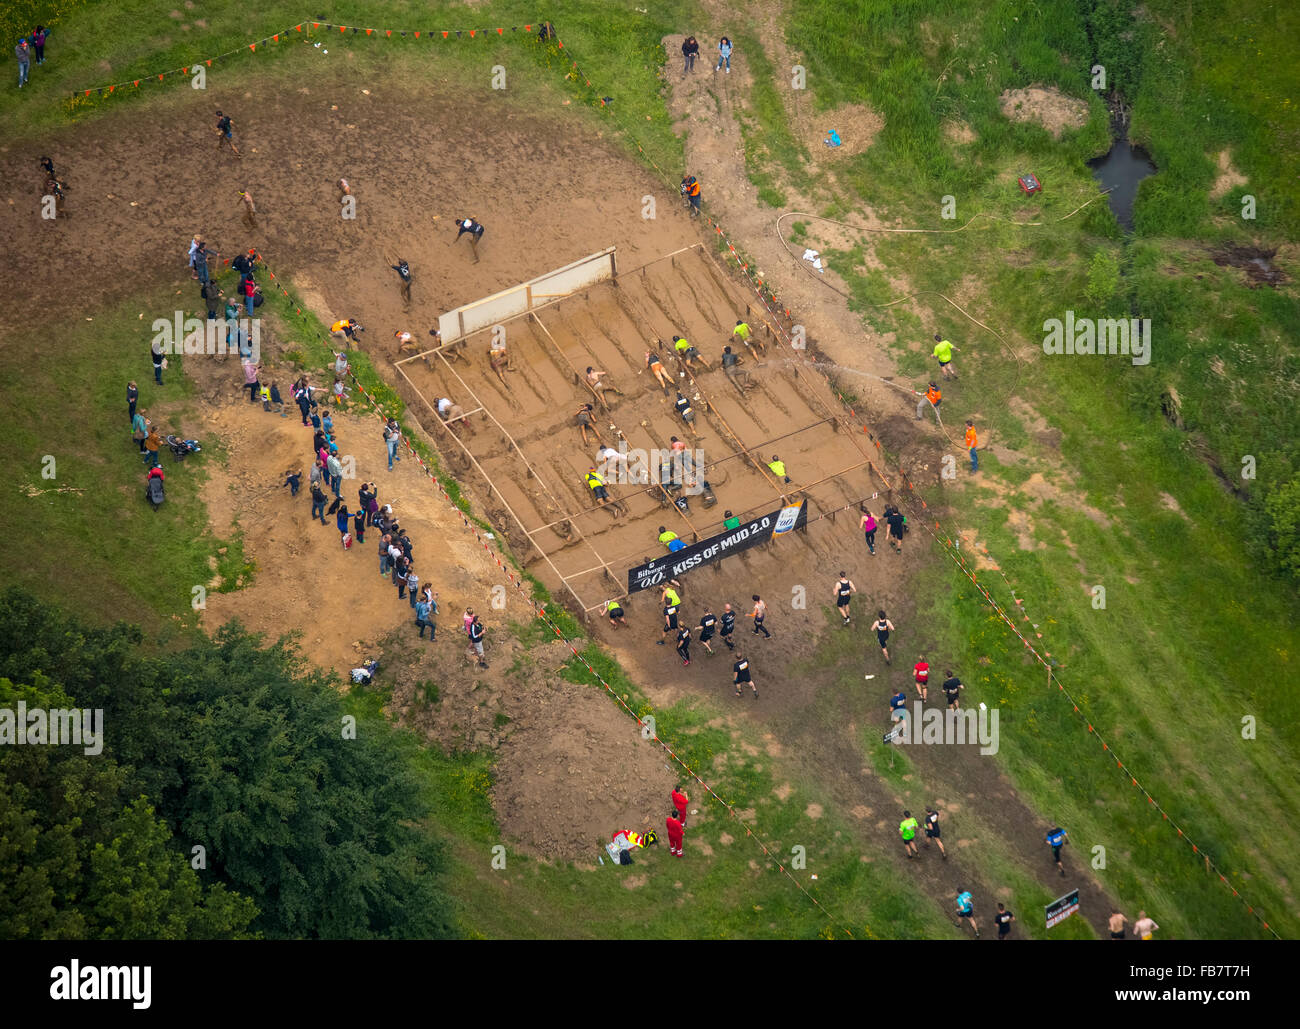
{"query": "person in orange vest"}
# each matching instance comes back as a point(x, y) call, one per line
point(348, 329)
point(972, 443)
point(680, 800)
point(933, 398)
point(691, 191)
point(676, 830)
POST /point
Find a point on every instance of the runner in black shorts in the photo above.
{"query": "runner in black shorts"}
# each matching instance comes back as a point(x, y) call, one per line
point(708, 624)
point(952, 687)
point(883, 627)
point(684, 644)
point(1004, 918)
point(844, 590)
point(670, 619)
point(740, 672)
point(728, 626)
point(932, 831)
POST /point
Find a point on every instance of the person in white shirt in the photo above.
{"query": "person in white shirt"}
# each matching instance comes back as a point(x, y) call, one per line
point(1144, 926)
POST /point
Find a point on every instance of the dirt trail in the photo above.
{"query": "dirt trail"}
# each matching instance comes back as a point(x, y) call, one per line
point(823, 727)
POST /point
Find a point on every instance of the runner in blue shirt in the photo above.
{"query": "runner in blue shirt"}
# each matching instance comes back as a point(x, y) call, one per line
point(1056, 838)
point(966, 911)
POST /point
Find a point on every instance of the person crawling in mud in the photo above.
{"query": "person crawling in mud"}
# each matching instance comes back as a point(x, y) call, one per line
point(500, 361)
point(657, 370)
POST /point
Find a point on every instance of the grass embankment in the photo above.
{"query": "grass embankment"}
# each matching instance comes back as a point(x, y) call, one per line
point(1198, 631)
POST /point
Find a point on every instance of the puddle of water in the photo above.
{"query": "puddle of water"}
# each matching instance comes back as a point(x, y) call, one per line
point(1120, 171)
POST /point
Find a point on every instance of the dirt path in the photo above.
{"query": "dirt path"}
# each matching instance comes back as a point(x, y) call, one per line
point(817, 723)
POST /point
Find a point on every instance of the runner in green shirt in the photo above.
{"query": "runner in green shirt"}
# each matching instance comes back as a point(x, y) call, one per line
point(943, 351)
point(907, 830)
point(742, 330)
point(730, 521)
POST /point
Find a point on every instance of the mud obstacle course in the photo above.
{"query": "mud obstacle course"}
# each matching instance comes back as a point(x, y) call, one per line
point(520, 434)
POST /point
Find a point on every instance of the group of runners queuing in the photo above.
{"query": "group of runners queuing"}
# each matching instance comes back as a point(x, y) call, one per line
point(395, 548)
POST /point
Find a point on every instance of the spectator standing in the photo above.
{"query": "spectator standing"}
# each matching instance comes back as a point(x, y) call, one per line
point(724, 55)
point(690, 50)
point(24, 55)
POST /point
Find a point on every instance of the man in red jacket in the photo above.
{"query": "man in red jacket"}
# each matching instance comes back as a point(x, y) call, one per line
point(680, 800)
point(675, 831)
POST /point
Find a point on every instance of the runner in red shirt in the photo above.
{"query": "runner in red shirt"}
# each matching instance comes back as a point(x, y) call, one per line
point(922, 673)
point(675, 832)
point(680, 800)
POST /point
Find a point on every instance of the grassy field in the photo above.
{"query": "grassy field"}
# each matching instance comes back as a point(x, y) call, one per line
point(1198, 631)
point(118, 42)
point(70, 418)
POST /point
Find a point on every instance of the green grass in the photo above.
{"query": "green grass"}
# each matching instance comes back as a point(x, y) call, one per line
point(69, 416)
point(1198, 630)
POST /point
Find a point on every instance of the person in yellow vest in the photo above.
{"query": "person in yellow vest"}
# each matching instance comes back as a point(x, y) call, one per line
point(687, 353)
point(347, 328)
point(666, 537)
point(597, 486)
point(972, 443)
point(778, 468)
point(931, 398)
point(943, 351)
point(671, 602)
point(747, 337)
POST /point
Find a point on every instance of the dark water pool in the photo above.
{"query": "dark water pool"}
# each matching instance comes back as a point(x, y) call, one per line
point(1120, 171)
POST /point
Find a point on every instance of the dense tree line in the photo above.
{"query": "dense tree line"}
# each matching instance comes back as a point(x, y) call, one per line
point(305, 831)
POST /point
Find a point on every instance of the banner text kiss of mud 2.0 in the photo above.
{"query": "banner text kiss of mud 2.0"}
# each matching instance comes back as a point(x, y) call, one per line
point(733, 541)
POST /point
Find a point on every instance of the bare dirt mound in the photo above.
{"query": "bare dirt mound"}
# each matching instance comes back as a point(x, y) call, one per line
point(1045, 106)
point(1228, 177)
point(856, 124)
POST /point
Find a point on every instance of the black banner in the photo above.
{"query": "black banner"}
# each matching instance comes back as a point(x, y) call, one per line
point(732, 541)
point(1062, 908)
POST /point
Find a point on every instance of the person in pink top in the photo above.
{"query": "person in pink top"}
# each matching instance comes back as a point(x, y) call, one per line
point(251, 384)
point(869, 529)
point(468, 619)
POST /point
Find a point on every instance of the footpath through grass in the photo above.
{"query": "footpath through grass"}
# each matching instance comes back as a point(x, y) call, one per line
point(1198, 632)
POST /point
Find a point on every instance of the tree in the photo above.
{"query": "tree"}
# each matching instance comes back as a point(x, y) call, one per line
point(79, 864)
point(327, 835)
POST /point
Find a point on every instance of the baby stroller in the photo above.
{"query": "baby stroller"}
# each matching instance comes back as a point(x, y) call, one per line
point(153, 490)
point(182, 448)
